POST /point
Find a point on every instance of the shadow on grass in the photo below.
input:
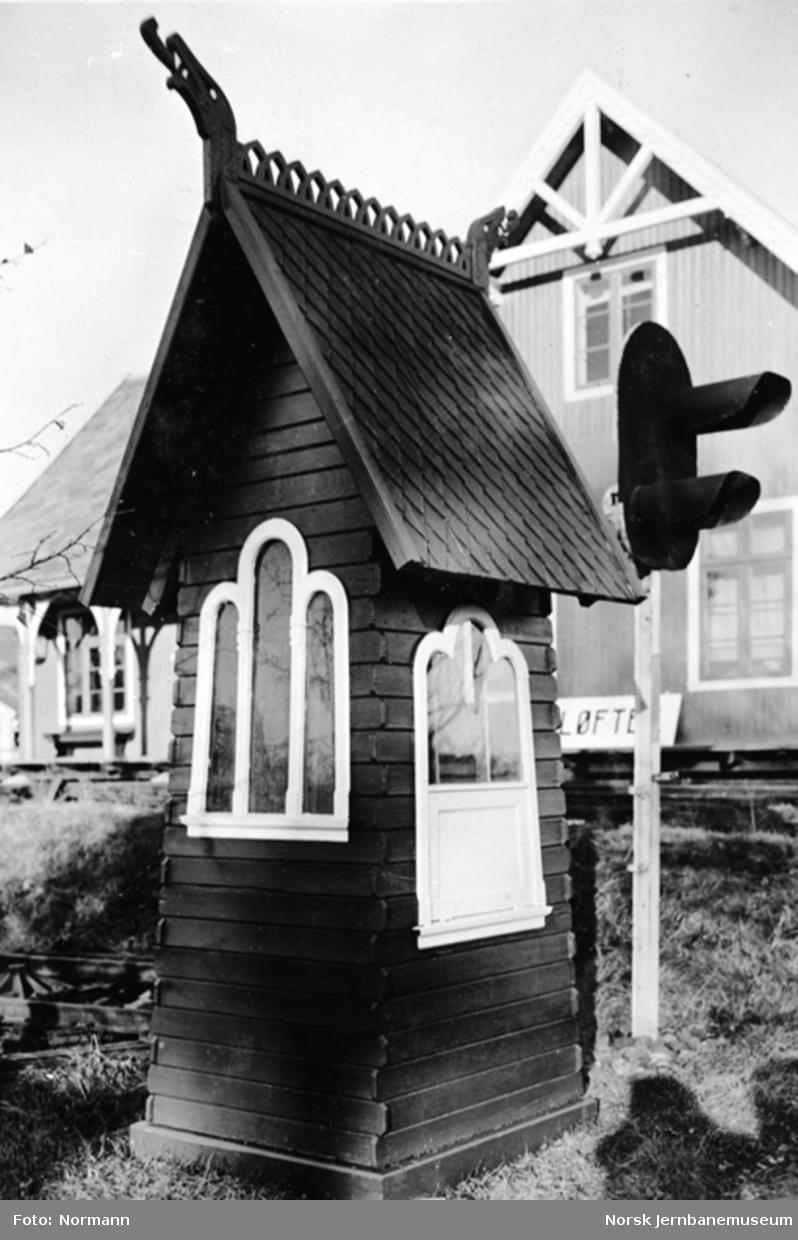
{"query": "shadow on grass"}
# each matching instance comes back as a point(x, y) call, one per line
point(669, 1149)
point(584, 861)
point(50, 1118)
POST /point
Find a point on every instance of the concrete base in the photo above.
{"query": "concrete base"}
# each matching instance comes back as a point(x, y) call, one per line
point(294, 1176)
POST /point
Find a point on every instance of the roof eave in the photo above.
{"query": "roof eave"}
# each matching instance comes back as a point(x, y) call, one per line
point(402, 547)
point(92, 589)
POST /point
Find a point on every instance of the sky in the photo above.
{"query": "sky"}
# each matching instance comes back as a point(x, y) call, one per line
point(427, 106)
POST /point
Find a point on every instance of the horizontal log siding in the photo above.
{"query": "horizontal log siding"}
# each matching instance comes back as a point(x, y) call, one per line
point(482, 1034)
point(293, 1007)
point(266, 1025)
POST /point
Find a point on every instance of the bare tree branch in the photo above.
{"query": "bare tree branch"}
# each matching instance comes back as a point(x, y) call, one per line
point(23, 448)
point(15, 259)
point(40, 556)
point(67, 548)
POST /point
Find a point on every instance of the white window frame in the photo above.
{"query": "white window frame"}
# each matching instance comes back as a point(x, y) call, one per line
point(239, 822)
point(88, 721)
point(573, 277)
point(695, 683)
point(531, 911)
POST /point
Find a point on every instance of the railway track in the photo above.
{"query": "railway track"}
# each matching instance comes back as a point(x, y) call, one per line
point(49, 1001)
point(755, 803)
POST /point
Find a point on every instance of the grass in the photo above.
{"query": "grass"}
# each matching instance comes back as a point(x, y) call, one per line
point(708, 1112)
point(64, 1129)
point(78, 877)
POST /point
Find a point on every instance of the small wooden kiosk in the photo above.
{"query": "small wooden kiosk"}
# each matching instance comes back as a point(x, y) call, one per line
point(345, 477)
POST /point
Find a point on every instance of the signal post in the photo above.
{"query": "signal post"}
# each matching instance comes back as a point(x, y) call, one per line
point(646, 802)
point(665, 506)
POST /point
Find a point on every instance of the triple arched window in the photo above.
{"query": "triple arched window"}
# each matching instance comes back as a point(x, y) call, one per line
point(478, 857)
point(271, 739)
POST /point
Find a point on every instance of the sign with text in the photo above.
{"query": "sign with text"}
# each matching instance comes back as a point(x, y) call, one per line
point(609, 722)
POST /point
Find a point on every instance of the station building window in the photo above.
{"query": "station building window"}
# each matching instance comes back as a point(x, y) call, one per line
point(602, 304)
point(743, 613)
point(80, 643)
point(271, 742)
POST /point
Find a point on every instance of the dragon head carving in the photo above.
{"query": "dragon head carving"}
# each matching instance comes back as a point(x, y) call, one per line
point(207, 103)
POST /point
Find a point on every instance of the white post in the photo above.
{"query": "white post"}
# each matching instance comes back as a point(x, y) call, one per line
point(106, 619)
point(29, 622)
point(645, 866)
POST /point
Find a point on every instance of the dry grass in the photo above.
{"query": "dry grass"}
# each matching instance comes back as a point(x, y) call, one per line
point(64, 1136)
point(710, 1112)
point(78, 877)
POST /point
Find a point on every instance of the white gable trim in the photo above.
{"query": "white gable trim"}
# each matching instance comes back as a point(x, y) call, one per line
point(589, 97)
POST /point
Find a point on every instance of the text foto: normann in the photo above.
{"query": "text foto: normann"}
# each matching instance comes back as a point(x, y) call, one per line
point(72, 1220)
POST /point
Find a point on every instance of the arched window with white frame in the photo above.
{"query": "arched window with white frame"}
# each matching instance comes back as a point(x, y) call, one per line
point(271, 738)
point(478, 857)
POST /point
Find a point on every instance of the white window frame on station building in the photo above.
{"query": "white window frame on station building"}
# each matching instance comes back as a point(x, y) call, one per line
point(575, 386)
point(696, 680)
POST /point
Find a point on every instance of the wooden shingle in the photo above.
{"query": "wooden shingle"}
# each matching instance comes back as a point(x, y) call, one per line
point(48, 536)
point(458, 436)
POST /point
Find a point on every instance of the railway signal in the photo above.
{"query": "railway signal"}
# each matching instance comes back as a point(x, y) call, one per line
point(665, 506)
point(660, 416)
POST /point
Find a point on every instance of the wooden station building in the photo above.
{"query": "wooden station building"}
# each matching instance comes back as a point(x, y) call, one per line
point(618, 221)
point(93, 685)
point(345, 477)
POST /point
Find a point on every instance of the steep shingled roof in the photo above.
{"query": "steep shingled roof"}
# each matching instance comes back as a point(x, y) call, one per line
point(477, 476)
point(454, 450)
point(56, 522)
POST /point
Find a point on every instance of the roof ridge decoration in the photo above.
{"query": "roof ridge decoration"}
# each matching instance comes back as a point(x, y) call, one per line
point(227, 158)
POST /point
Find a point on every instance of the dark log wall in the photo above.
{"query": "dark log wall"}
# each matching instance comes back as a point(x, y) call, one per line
point(294, 1009)
point(266, 1017)
point(479, 1035)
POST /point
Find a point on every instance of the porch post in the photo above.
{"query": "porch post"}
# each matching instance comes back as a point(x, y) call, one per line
point(106, 619)
point(142, 638)
point(28, 622)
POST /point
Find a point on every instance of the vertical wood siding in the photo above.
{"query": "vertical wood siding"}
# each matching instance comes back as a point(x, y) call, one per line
point(733, 307)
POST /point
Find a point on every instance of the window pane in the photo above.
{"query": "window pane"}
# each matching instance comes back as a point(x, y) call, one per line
point(722, 620)
point(271, 681)
point(768, 534)
point(748, 600)
point(769, 653)
point(637, 297)
point(504, 739)
point(78, 632)
point(597, 344)
point(638, 307)
point(119, 681)
point(221, 756)
point(723, 543)
point(319, 767)
point(95, 676)
point(120, 669)
point(593, 329)
point(454, 733)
